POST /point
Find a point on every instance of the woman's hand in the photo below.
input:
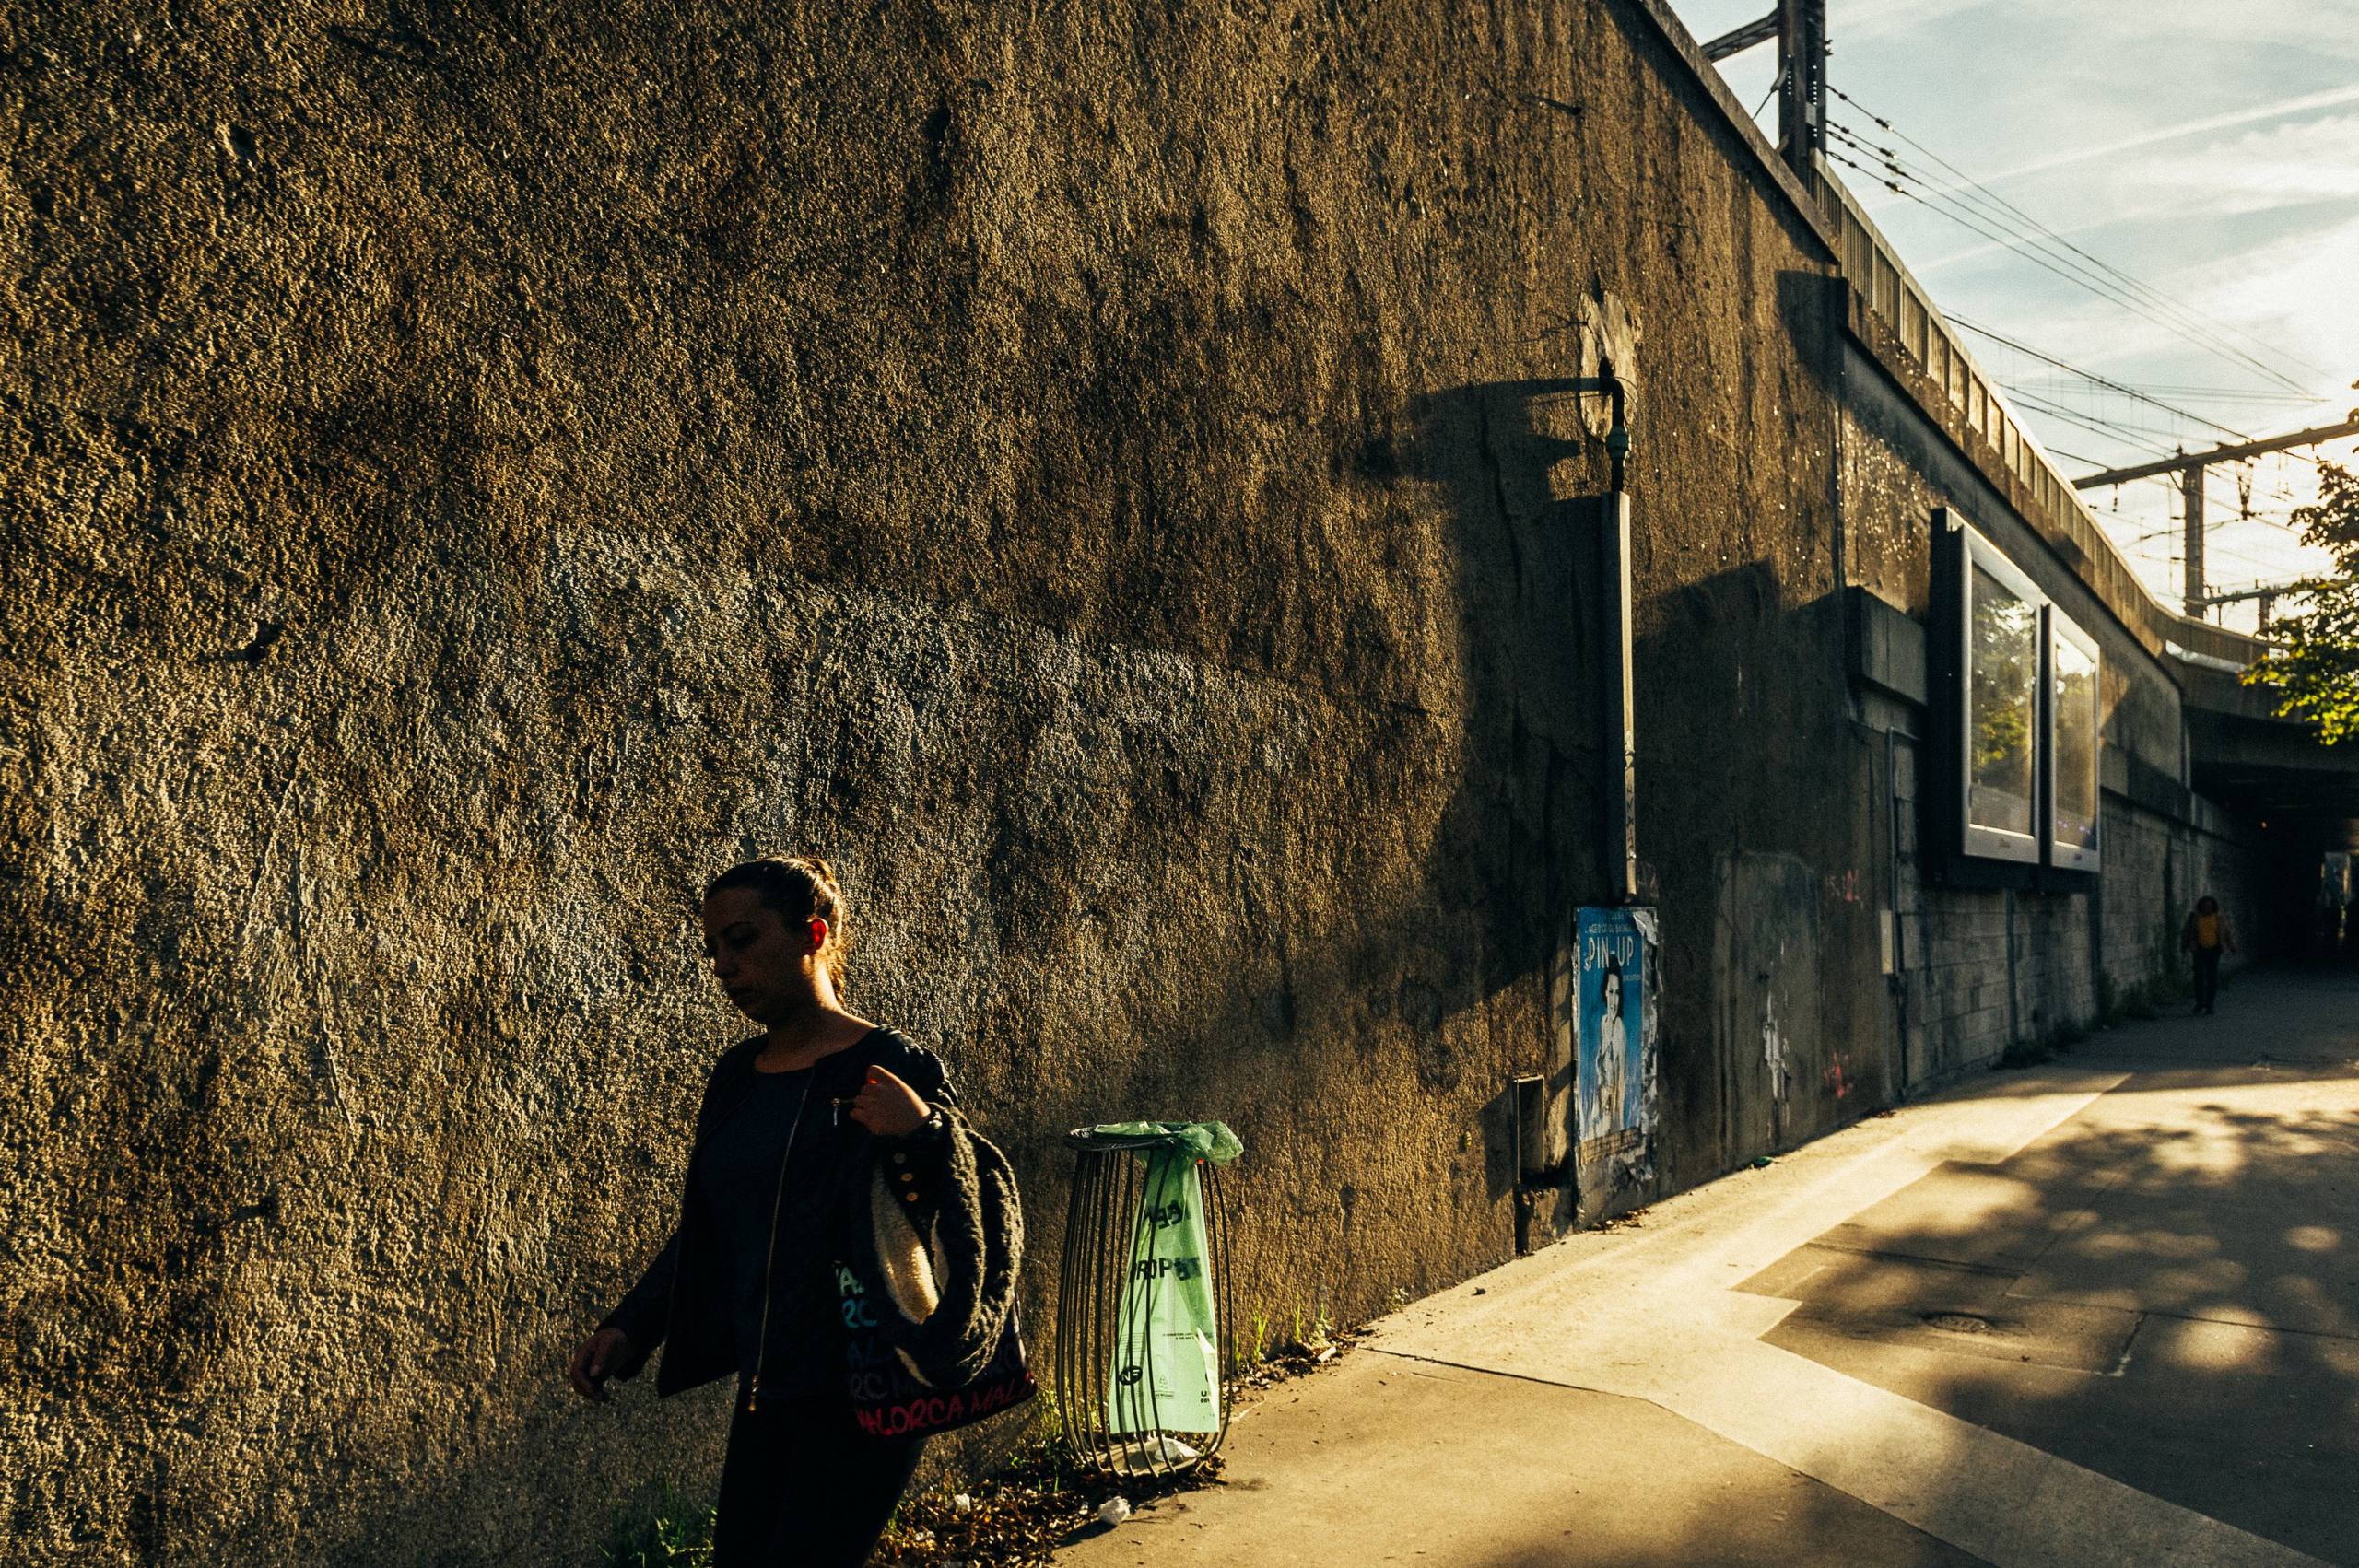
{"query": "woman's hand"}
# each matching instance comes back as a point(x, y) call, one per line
point(592, 1359)
point(886, 1107)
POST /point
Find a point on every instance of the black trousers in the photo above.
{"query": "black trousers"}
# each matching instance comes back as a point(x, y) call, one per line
point(2207, 977)
point(803, 1487)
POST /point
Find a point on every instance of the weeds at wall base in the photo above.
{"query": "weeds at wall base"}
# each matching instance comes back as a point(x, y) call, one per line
point(1038, 1501)
point(1041, 1498)
point(668, 1528)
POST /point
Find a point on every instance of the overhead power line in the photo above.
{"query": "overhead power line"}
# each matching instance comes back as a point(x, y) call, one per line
point(2250, 448)
point(2000, 231)
point(1915, 190)
point(2104, 381)
point(2091, 423)
point(2222, 510)
point(1993, 199)
point(2223, 394)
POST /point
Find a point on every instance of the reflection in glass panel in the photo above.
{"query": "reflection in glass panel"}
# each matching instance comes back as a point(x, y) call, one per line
point(2076, 746)
point(2001, 707)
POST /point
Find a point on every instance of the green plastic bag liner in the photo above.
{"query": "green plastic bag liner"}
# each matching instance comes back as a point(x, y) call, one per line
point(1166, 1355)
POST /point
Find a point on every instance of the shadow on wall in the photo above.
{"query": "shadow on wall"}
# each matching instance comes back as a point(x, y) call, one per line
point(1438, 964)
point(567, 629)
point(1774, 1037)
point(1411, 957)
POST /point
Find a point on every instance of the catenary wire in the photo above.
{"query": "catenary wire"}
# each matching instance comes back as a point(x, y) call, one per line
point(1891, 181)
point(2106, 381)
point(1927, 194)
point(1993, 199)
point(1931, 195)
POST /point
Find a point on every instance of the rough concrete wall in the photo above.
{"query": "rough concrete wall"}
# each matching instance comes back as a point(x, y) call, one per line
point(1740, 673)
point(1996, 967)
point(2236, 872)
point(2001, 968)
point(1963, 1002)
point(2056, 987)
point(2146, 895)
point(482, 468)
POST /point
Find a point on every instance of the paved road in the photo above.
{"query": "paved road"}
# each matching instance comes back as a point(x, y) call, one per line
point(2105, 1311)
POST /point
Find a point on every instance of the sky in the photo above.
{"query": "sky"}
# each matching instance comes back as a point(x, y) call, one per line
point(2209, 155)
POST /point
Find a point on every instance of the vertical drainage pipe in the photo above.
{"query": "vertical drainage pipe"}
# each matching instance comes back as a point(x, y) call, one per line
point(1621, 827)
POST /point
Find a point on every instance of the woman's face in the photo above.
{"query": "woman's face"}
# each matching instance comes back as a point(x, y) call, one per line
point(755, 955)
point(1612, 994)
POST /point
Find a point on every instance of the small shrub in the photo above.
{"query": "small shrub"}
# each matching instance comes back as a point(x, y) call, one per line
point(668, 1530)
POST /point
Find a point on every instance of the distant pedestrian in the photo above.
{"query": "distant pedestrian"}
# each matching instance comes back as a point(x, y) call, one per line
point(2207, 936)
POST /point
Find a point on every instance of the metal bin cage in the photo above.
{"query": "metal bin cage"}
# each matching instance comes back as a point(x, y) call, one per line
point(1131, 1366)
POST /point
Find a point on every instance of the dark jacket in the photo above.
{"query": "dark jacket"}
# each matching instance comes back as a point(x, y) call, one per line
point(941, 1277)
point(683, 1302)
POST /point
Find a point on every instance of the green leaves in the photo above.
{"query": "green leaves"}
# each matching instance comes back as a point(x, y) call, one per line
point(2315, 675)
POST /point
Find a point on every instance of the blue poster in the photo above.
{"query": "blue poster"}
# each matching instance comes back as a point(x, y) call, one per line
point(1615, 1077)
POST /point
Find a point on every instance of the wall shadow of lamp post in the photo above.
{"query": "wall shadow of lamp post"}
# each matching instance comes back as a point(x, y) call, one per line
point(1625, 877)
point(1613, 544)
point(1626, 881)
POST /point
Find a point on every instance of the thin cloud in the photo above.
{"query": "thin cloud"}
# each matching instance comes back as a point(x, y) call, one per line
point(2327, 100)
point(2219, 169)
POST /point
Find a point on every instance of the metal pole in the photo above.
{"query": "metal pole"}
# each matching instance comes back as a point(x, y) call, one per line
point(2190, 481)
point(1802, 76)
point(1736, 40)
point(2178, 462)
point(1621, 733)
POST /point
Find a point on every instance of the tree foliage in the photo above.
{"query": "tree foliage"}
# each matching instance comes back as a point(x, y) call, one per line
point(2315, 675)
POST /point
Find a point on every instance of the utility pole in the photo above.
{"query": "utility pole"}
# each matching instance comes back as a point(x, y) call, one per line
point(1799, 28)
point(2190, 489)
point(2189, 467)
point(1802, 85)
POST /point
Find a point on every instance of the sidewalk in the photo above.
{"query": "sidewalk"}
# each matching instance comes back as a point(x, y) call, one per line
point(2105, 1311)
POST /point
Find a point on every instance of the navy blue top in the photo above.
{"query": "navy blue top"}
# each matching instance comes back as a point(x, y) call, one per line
point(742, 1186)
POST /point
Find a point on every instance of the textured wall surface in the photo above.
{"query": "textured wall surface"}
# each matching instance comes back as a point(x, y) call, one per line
point(1093, 471)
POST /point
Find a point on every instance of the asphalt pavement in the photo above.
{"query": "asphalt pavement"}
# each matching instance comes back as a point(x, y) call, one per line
point(2104, 1310)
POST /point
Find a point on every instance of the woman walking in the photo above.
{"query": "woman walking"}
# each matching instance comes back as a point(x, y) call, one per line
point(2206, 936)
point(798, 1125)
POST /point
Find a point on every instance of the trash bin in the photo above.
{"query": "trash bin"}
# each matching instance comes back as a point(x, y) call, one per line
point(1142, 1372)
